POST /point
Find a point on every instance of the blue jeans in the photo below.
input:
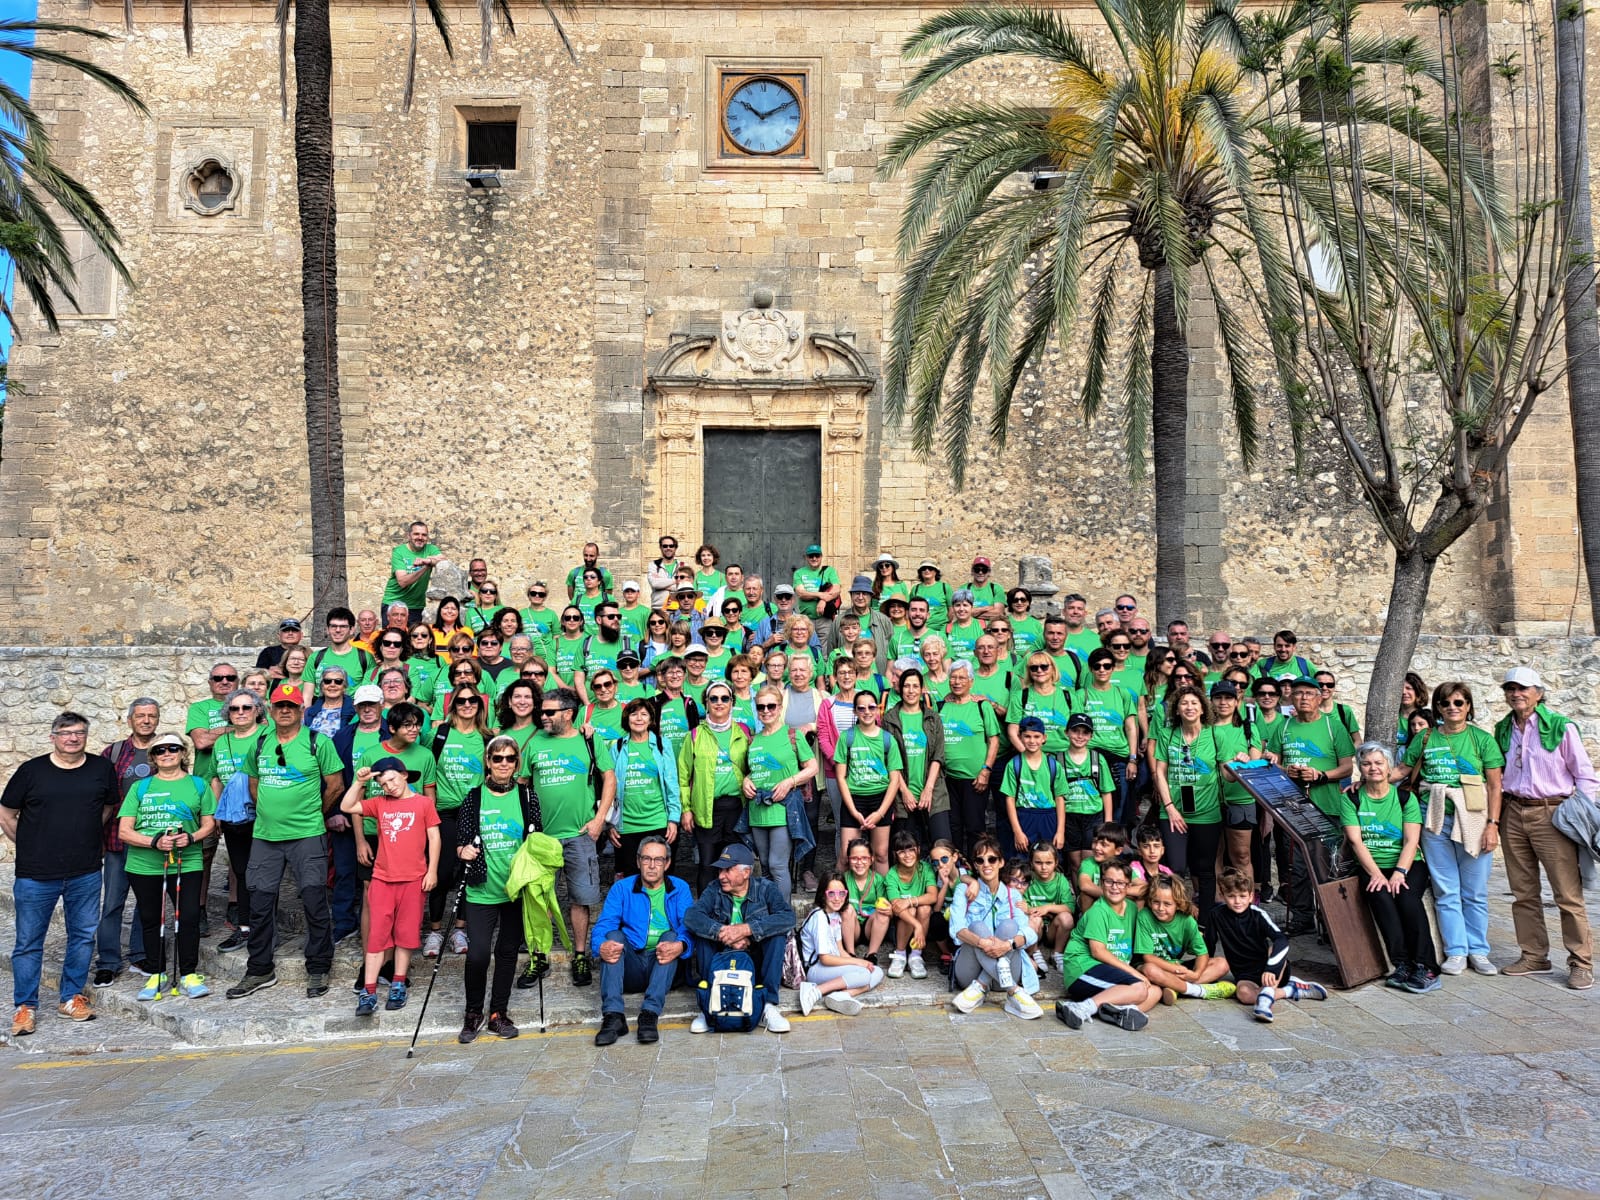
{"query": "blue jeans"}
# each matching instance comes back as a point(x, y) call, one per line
point(636, 971)
point(35, 901)
point(1460, 891)
point(108, 941)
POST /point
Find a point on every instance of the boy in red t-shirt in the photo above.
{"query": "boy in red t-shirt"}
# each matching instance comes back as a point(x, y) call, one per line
point(407, 866)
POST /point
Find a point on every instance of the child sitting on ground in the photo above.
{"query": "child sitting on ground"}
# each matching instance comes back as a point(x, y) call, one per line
point(1148, 865)
point(1047, 899)
point(911, 890)
point(1255, 949)
point(948, 870)
point(864, 934)
point(407, 867)
point(1178, 961)
point(1109, 841)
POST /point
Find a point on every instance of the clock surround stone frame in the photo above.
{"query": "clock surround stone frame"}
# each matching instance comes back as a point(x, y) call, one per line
point(725, 75)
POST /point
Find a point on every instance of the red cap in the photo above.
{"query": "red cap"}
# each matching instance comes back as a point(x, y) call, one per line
point(288, 693)
point(982, 562)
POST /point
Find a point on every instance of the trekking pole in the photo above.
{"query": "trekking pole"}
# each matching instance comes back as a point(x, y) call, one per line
point(170, 961)
point(177, 907)
point(461, 896)
point(543, 1028)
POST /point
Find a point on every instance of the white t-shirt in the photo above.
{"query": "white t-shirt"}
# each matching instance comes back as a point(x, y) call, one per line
point(819, 936)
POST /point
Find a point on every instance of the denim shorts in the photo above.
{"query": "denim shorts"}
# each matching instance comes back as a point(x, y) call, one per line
point(580, 862)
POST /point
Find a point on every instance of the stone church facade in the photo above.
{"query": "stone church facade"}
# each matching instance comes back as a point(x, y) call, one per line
point(648, 323)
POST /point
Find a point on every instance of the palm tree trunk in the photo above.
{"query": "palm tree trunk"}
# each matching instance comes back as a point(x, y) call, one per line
point(1578, 295)
point(1408, 598)
point(319, 297)
point(1169, 417)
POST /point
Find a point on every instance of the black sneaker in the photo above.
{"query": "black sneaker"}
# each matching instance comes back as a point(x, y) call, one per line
point(470, 1024)
point(1124, 1016)
point(1402, 972)
point(612, 1026)
point(498, 1025)
point(538, 967)
point(582, 971)
point(316, 984)
point(252, 983)
point(647, 1033)
point(104, 978)
point(146, 968)
point(239, 939)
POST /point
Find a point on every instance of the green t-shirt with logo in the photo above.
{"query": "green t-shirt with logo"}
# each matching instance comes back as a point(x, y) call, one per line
point(995, 688)
point(1053, 708)
point(640, 786)
point(608, 585)
point(867, 762)
point(770, 761)
point(1084, 783)
point(897, 888)
point(157, 805)
point(674, 725)
point(355, 662)
point(1382, 823)
point(368, 749)
point(1110, 710)
point(967, 729)
point(864, 897)
point(289, 785)
point(569, 655)
point(937, 594)
point(914, 742)
point(1446, 757)
point(1055, 890)
point(541, 622)
point(1027, 635)
point(401, 560)
point(807, 579)
point(559, 770)
point(633, 691)
point(962, 640)
point(1319, 744)
point(205, 714)
point(1117, 932)
point(1194, 765)
point(1030, 786)
point(1085, 641)
point(635, 623)
point(229, 755)
point(1176, 941)
point(500, 835)
point(460, 768)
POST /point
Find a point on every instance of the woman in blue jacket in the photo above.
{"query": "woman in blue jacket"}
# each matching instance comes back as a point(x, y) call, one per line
point(647, 784)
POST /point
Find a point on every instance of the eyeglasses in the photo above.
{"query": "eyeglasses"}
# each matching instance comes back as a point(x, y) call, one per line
point(488, 644)
point(1512, 687)
point(942, 859)
point(989, 858)
point(656, 860)
point(1267, 694)
point(667, 545)
point(767, 707)
point(339, 679)
point(999, 629)
point(224, 679)
point(338, 625)
point(1169, 658)
point(241, 708)
point(421, 635)
point(836, 892)
point(535, 674)
point(502, 758)
point(281, 705)
point(1113, 883)
point(866, 708)
point(488, 591)
point(69, 733)
point(1126, 607)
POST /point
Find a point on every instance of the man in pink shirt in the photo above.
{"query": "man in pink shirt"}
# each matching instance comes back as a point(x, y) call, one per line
point(1545, 764)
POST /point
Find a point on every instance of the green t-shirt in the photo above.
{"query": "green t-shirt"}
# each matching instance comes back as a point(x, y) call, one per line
point(914, 742)
point(1027, 635)
point(1085, 641)
point(1083, 784)
point(1320, 743)
point(1055, 890)
point(569, 655)
point(1231, 742)
point(1031, 787)
point(864, 899)
point(559, 769)
point(1382, 822)
point(937, 594)
point(967, 730)
point(1130, 678)
point(635, 621)
point(674, 724)
point(994, 688)
point(1053, 708)
point(659, 926)
point(1195, 765)
point(608, 585)
point(500, 835)
point(600, 655)
point(897, 888)
point(771, 760)
point(808, 580)
point(475, 616)
point(460, 768)
point(157, 805)
point(354, 661)
point(607, 722)
point(522, 737)
point(424, 676)
point(867, 764)
point(904, 643)
point(289, 785)
point(205, 714)
point(706, 582)
point(643, 792)
point(633, 691)
point(1177, 941)
point(541, 622)
point(1446, 757)
point(1296, 668)
point(419, 762)
point(1110, 710)
point(1088, 871)
point(1119, 933)
point(962, 640)
point(587, 605)
point(402, 559)
point(229, 755)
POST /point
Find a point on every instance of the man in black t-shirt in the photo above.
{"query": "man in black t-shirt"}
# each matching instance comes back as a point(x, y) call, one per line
point(289, 636)
point(55, 808)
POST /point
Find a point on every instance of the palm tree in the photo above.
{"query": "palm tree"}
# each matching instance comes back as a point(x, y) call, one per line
point(31, 181)
point(1146, 160)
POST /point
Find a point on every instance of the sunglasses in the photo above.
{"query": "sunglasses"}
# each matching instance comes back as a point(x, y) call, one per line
point(535, 674)
point(1119, 645)
point(767, 708)
point(551, 712)
point(605, 683)
point(713, 633)
point(488, 591)
point(990, 858)
point(1039, 667)
point(667, 545)
point(571, 620)
point(1327, 685)
point(719, 699)
point(502, 758)
point(977, 570)
point(224, 679)
point(942, 859)
point(835, 892)
point(1456, 703)
point(1241, 655)
point(1126, 607)
point(537, 595)
point(1220, 645)
point(166, 749)
point(999, 629)
point(400, 642)
point(241, 708)
point(421, 635)
point(1140, 632)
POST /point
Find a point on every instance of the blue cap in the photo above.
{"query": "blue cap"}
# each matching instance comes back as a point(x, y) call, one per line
point(737, 854)
point(1030, 725)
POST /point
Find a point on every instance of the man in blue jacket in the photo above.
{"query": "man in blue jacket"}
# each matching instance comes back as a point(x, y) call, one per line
point(747, 914)
point(638, 940)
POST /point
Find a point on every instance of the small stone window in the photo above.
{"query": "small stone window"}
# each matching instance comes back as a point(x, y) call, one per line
point(210, 187)
point(491, 145)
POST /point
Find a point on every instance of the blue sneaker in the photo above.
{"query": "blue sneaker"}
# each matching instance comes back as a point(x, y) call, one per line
point(194, 986)
point(366, 1003)
point(1306, 990)
point(398, 991)
point(153, 987)
point(1264, 1007)
point(1422, 981)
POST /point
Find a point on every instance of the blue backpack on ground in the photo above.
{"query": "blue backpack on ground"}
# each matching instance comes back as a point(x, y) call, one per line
point(732, 999)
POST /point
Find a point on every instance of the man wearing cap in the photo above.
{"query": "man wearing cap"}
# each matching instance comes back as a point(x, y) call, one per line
point(640, 938)
point(635, 613)
point(742, 913)
point(874, 625)
point(1545, 764)
point(289, 635)
point(769, 632)
point(295, 779)
point(591, 558)
point(988, 597)
point(816, 586)
point(410, 568)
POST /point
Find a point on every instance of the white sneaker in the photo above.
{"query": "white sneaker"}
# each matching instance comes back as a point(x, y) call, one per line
point(1481, 964)
point(774, 1020)
point(971, 996)
point(1040, 962)
point(897, 965)
point(1002, 973)
point(1020, 1004)
point(1073, 1013)
point(842, 1003)
point(1059, 962)
point(458, 941)
point(432, 944)
point(919, 969)
point(1453, 965)
point(699, 1024)
point(1264, 1007)
point(810, 993)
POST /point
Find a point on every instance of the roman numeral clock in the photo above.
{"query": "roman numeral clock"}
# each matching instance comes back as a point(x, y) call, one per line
point(764, 115)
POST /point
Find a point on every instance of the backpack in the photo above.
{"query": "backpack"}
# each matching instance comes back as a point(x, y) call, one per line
point(850, 742)
point(362, 657)
point(730, 997)
point(1014, 769)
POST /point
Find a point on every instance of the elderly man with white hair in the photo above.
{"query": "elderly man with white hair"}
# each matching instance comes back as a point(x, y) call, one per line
point(1545, 764)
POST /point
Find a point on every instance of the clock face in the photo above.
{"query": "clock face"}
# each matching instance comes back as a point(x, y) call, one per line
point(763, 116)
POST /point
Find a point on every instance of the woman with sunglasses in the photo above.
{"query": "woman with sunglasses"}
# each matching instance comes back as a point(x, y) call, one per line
point(872, 777)
point(163, 819)
point(1154, 689)
point(971, 734)
point(834, 716)
point(992, 936)
point(389, 650)
point(1337, 709)
point(886, 580)
point(458, 748)
point(593, 595)
point(464, 673)
point(229, 755)
point(569, 648)
point(1189, 757)
point(1115, 713)
point(602, 717)
point(447, 625)
point(422, 663)
point(539, 621)
point(712, 767)
point(655, 638)
point(779, 760)
point(923, 808)
point(1041, 695)
point(648, 802)
point(741, 678)
point(833, 974)
point(494, 822)
point(1461, 822)
point(1027, 631)
point(479, 615)
point(517, 712)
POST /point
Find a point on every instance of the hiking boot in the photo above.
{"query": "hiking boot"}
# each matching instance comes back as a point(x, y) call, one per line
point(316, 984)
point(582, 971)
point(193, 986)
point(1580, 979)
point(366, 1003)
point(398, 994)
point(613, 1025)
point(76, 1009)
point(1123, 1016)
point(538, 967)
point(433, 943)
point(498, 1025)
point(1529, 966)
point(104, 977)
point(239, 939)
point(153, 987)
point(470, 1024)
point(252, 983)
point(22, 1021)
point(648, 1031)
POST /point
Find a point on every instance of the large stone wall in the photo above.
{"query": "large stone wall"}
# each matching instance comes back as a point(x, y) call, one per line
point(38, 682)
point(495, 349)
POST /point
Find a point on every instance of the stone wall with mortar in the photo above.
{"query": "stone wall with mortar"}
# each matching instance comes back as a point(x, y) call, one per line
point(38, 682)
point(495, 348)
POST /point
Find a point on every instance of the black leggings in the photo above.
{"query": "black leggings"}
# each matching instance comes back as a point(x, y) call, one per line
point(147, 891)
point(969, 810)
point(1403, 921)
point(449, 866)
point(481, 920)
point(710, 840)
point(1194, 853)
point(237, 836)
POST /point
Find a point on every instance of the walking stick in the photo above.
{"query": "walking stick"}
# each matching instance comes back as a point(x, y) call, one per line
point(177, 918)
point(169, 941)
point(461, 896)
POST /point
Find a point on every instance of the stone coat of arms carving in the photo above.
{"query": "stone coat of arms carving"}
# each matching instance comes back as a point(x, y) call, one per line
point(762, 339)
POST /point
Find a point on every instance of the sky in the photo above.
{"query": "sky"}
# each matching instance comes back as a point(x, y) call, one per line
point(14, 69)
